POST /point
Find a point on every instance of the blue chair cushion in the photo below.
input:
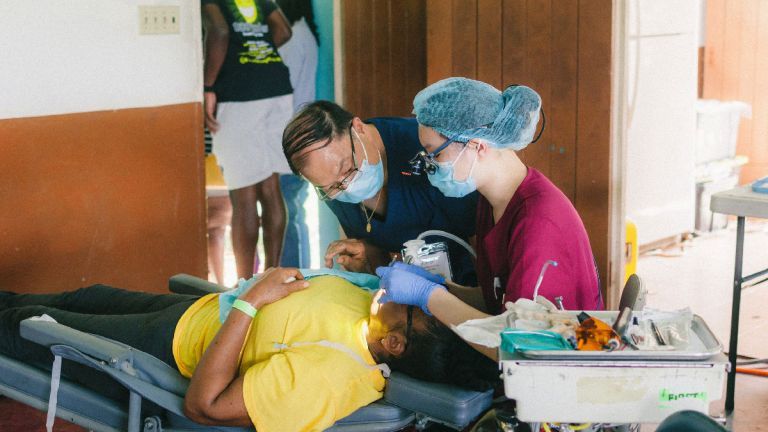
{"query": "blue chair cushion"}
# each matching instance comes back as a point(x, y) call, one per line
point(443, 403)
point(379, 416)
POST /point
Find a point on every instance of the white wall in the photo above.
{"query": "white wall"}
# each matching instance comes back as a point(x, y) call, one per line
point(662, 80)
point(60, 57)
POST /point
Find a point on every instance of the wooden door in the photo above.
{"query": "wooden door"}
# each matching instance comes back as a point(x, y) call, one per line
point(383, 55)
point(560, 48)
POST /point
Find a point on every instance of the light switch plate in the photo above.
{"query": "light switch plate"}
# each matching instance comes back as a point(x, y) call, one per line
point(155, 20)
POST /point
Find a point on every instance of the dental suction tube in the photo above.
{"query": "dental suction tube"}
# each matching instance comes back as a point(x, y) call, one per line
point(450, 236)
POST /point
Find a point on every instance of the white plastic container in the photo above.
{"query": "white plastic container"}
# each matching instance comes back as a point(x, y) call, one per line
point(610, 391)
point(432, 257)
point(717, 128)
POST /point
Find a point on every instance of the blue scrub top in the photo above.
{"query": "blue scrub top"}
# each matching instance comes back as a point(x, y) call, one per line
point(413, 204)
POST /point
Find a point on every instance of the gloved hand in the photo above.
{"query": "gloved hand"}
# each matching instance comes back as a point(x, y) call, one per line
point(404, 287)
point(419, 271)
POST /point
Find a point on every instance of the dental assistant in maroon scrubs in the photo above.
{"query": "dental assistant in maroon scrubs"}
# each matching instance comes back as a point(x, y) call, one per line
point(470, 132)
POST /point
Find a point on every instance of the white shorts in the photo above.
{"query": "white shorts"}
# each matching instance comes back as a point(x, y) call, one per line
point(248, 144)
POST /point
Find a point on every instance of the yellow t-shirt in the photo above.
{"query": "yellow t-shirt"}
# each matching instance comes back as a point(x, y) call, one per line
point(292, 383)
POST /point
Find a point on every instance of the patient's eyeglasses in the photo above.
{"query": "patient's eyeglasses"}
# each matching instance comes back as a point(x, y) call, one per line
point(408, 326)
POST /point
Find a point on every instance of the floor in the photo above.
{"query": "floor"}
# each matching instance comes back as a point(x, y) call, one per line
point(699, 275)
point(15, 417)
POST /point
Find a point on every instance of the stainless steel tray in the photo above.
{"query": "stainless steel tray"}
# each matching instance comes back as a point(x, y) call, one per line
point(703, 345)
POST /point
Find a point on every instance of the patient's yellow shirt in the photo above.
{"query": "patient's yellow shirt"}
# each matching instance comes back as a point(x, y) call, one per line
point(291, 382)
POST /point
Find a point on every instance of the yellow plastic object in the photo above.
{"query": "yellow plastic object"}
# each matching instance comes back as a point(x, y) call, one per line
point(595, 335)
point(213, 176)
point(630, 250)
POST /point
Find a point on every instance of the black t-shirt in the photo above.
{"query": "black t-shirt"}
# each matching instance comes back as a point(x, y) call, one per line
point(253, 68)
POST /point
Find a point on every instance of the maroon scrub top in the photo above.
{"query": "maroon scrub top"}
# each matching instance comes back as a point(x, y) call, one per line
point(539, 224)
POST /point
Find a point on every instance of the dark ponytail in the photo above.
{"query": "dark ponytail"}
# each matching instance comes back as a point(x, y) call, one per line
point(437, 354)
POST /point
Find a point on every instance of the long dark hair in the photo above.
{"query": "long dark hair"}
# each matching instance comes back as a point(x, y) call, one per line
point(437, 354)
point(295, 10)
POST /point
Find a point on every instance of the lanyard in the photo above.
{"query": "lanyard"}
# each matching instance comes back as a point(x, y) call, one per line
point(343, 348)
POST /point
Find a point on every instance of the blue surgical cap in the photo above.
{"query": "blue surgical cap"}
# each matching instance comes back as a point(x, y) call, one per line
point(463, 109)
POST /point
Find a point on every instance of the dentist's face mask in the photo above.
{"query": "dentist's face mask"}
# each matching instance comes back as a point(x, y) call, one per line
point(368, 179)
point(443, 177)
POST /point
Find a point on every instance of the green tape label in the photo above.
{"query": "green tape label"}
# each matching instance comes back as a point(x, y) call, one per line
point(667, 396)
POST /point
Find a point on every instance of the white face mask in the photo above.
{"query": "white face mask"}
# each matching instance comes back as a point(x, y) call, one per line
point(368, 180)
point(443, 178)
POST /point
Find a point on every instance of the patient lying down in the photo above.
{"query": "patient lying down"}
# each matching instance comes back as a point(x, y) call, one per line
point(313, 353)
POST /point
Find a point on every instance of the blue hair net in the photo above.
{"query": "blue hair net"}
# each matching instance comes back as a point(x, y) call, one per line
point(463, 109)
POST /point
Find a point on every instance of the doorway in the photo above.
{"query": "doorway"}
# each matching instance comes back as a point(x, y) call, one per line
point(682, 113)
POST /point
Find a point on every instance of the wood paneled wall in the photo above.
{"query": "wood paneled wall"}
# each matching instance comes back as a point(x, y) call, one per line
point(384, 55)
point(736, 68)
point(560, 48)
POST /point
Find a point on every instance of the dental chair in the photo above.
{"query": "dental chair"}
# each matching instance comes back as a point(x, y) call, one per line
point(156, 391)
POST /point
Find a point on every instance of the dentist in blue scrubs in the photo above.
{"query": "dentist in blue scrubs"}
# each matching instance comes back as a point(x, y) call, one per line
point(361, 169)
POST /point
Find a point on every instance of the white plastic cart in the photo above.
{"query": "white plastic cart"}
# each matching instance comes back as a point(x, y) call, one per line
point(616, 387)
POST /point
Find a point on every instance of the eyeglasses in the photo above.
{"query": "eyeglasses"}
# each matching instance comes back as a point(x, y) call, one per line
point(333, 190)
point(408, 326)
point(424, 161)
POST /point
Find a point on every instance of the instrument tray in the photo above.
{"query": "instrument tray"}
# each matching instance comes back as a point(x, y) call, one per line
point(703, 345)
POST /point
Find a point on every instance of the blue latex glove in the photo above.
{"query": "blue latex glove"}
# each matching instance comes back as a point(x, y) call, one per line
point(404, 287)
point(419, 271)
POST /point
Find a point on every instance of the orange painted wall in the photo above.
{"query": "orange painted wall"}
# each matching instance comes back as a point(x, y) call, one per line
point(113, 197)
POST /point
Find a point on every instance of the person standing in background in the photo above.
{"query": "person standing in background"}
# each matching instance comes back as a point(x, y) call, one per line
point(219, 213)
point(300, 55)
point(248, 101)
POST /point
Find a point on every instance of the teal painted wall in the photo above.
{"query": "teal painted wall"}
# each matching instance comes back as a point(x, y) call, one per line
point(323, 10)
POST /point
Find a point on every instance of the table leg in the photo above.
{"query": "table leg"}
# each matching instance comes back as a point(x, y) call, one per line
point(733, 346)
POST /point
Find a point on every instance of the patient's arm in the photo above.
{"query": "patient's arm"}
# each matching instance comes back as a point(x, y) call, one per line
point(280, 27)
point(215, 394)
point(447, 308)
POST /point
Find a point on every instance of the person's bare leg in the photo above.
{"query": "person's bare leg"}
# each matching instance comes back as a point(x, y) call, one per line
point(273, 217)
point(219, 216)
point(245, 228)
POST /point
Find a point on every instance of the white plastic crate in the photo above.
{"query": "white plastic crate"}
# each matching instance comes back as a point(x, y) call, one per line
point(717, 128)
point(610, 391)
